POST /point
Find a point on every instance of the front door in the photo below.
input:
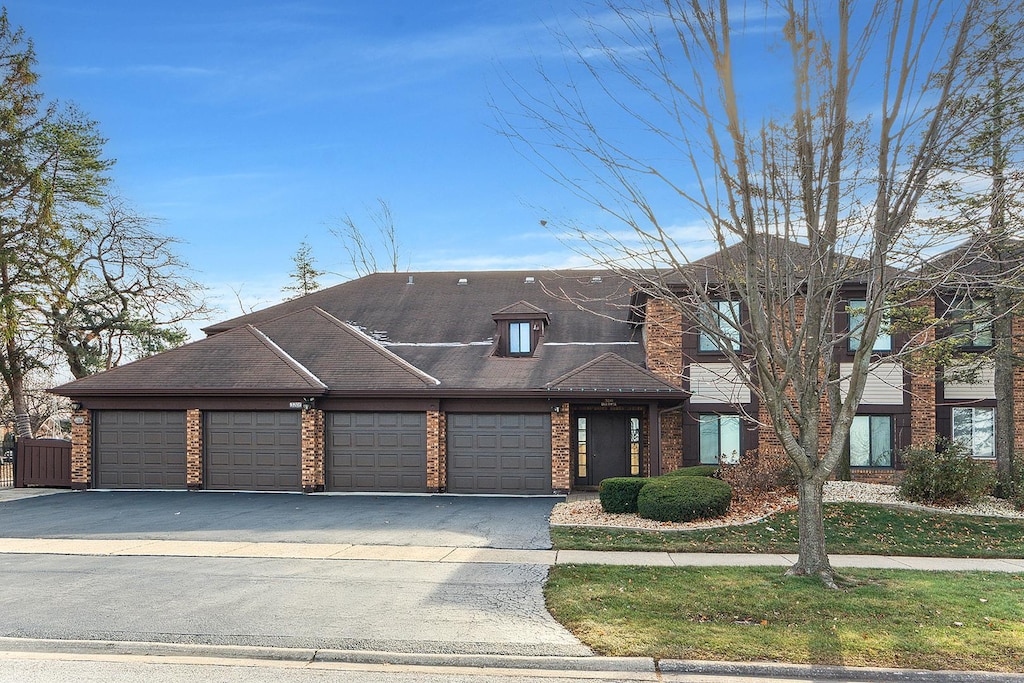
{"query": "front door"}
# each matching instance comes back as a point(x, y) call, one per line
point(607, 445)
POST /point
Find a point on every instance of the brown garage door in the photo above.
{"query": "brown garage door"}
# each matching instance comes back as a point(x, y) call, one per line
point(377, 452)
point(499, 453)
point(139, 449)
point(253, 450)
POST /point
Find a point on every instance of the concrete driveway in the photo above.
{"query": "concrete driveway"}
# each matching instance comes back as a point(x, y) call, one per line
point(447, 521)
point(348, 604)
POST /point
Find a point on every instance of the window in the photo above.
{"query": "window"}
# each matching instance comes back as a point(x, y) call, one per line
point(972, 322)
point(634, 446)
point(976, 429)
point(856, 314)
point(724, 316)
point(871, 441)
point(581, 451)
point(519, 340)
point(719, 439)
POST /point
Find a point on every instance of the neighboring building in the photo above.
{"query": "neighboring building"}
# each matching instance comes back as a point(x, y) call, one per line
point(479, 382)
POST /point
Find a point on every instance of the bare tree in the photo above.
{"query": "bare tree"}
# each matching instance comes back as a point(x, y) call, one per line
point(115, 290)
point(366, 255)
point(802, 193)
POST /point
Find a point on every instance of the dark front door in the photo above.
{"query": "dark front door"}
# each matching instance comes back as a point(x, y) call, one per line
point(607, 445)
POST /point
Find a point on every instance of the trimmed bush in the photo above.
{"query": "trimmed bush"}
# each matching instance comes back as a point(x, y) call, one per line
point(682, 499)
point(618, 494)
point(695, 471)
point(944, 474)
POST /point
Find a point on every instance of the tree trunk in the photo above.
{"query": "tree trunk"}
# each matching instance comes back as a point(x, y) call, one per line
point(812, 559)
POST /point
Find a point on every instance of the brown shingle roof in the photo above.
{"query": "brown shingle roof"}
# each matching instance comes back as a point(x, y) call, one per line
point(436, 309)
point(340, 355)
point(520, 308)
point(241, 361)
point(611, 372)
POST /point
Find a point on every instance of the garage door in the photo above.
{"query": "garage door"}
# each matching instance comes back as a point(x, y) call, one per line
point(377, 452)
point(139, 449)
point(253, 451)
point(499, 453)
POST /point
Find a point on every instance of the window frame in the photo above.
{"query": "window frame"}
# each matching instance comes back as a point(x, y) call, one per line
point(517, 337)
point(723, 316)
point(972, 444)
point(854, 321)
point(970, 330)
point(872, 419)
point(717, 418)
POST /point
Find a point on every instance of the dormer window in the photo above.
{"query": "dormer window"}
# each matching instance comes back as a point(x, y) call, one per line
point(521, 328)
point(519, 338)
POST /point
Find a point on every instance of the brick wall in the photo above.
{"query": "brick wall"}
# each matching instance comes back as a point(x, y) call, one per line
point(435, 448)
point(560, 474)
point(1018, 385)
point(671, 440)
point(312, 450)
point(876, 476)
point(194, 448)
point(81, 448)
point(664, 341)
point(922, 391)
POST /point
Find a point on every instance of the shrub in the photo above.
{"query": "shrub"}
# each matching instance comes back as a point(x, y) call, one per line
point(758, 474)
point(618, 494)
point(944, 474)
point(682, 499)
point(695, 471)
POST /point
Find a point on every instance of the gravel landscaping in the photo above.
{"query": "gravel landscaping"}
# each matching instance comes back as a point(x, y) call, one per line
point(589, 512)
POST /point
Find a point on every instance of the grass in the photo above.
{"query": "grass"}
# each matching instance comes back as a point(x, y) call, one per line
point(906, 619)
point(850, 529)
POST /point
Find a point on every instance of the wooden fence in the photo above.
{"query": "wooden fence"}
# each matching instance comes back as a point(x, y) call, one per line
point(43, 462)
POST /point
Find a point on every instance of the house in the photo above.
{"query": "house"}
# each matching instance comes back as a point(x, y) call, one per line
point(480, 382)
point(506, 382)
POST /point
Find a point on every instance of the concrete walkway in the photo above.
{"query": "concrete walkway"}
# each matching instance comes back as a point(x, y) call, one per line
point(394, 553)
point(453, 555)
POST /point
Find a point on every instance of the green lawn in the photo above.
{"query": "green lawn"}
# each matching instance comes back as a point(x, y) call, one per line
point(906, 619)
point(850, 529)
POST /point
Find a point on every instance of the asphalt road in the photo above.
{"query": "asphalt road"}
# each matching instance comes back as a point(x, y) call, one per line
point(450, 521)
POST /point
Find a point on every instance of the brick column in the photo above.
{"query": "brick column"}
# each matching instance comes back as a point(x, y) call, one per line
point(663, 341)
point(437, 478)
point(312, 450)
point(560, 466)
point(194, 448)
point(81, 448)
point(1018, 387)
point(671, 440)
point(922, 391)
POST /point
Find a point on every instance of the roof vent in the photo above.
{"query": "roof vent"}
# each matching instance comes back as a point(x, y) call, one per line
point(410, 280)
point(596, 279)
point(463, 281)
point(529, 280)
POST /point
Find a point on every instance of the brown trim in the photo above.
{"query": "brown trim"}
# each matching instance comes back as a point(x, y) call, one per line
point(186, 403)
point(496, 406)
point(377, 405)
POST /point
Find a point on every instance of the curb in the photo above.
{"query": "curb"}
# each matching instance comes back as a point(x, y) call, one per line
point(817, 672)
point(621, 665)
point(286, 654)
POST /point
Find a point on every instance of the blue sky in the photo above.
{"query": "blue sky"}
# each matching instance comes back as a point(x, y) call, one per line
point(247, 126)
